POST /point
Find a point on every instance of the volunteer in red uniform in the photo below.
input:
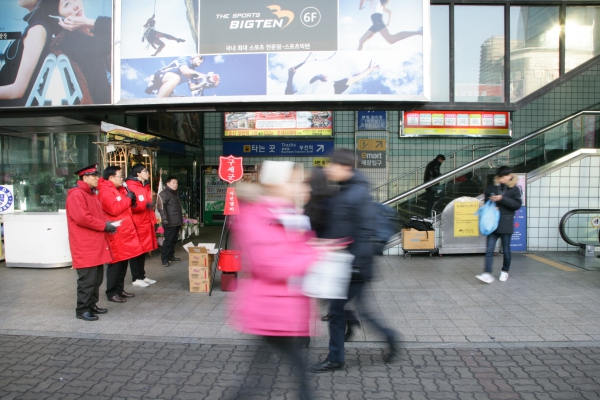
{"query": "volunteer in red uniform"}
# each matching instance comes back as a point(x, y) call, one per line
point(116, 203)
point(88, 241)
point(144, 220)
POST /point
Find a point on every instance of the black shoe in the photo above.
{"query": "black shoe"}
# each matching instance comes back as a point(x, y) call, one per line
point(166, 264)
point(124, 294)
point(350, 325)
point(175, 259)
point(326, 366)
point(303, 342)
point(326, 317)
point(87, 316)
point(95, 310)
point(394, 355)
point(117, 299)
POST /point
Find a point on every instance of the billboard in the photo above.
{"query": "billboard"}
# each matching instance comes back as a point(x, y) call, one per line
point(54, 53)
point(456, 123)
point(278, 123)
point(206, 51)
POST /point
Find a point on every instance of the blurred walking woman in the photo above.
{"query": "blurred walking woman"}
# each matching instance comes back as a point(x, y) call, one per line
point(274, 244)
point(87, 42)
point(25, 56)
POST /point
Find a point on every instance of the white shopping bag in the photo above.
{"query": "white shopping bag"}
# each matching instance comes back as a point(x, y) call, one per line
point(329, 277)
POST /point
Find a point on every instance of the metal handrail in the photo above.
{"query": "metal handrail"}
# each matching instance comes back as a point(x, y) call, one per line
point(450, 155)
point(468, 165)
point(569, 214)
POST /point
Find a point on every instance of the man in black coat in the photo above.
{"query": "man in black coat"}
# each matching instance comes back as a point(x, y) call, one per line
point(432, 171)
point(351, 215)
point(507, 196)
point(172, 219)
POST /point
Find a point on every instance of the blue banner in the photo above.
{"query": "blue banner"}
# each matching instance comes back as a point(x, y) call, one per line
point(518, 241)
point(372, 121)
point(277, 148)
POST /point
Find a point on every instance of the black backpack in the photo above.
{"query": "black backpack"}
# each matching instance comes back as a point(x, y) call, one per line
point(387, 224)
point(420, 224)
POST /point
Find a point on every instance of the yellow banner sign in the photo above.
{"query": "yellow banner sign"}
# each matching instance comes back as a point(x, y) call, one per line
point(466, 223)
point(320, 161)
point(372, 144)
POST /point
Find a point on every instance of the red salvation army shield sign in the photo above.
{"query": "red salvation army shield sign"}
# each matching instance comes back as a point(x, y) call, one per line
point(231, 168)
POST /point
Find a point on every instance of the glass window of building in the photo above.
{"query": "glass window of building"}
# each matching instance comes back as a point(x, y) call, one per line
point(440, 53)
point(479, 53)
point(41, 167)
point(534, 46)
point(582, 35)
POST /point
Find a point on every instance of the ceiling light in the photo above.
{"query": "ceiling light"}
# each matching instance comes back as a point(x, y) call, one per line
point(145, 153)
point(134, 151)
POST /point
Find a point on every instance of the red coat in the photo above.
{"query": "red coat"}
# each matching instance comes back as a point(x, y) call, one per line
point(124, 243)
point(143, 217)
point(86, 223)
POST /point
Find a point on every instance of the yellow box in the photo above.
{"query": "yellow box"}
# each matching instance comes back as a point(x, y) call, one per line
point(200, 273)
point(200, 286)
point(413, 239)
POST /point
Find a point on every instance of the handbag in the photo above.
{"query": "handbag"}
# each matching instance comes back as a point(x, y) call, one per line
point(489, 217)
point(329, 277)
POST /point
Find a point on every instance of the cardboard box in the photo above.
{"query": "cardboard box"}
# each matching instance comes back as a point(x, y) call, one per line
point(413, 239)
point(200, 273)
point(200, 286)
point(200, 257)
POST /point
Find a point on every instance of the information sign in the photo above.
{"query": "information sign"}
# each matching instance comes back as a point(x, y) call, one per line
point(299, 148)
point(466, 222)
point(456, 123)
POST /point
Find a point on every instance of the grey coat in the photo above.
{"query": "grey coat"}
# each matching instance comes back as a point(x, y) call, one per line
point(169, 208)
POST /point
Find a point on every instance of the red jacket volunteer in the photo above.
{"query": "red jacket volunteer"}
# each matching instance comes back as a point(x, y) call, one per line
point(86, 223)
point(124, 243)
point(143, 214)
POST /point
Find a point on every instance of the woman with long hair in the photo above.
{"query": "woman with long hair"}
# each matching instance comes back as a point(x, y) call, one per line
point(87, 42)
point(25, 56)
point(378, 7)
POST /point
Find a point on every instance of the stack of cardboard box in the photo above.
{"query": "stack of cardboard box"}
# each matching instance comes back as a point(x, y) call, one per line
point(200, 267)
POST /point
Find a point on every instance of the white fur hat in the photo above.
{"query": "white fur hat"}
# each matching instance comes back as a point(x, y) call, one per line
point(275, 172)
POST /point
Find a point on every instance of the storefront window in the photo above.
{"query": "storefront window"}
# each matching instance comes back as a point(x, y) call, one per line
point(582, 35)
point(440, 53)
point(41, 167)
point(479, 53)
point(534, 44)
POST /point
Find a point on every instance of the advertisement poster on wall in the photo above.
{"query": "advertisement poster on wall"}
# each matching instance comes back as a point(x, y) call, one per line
point(206, 51)
point(278, 123)
point(456, 124)
point(55, 53)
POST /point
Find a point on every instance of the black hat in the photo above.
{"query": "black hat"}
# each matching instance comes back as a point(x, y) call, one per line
point(89, 170)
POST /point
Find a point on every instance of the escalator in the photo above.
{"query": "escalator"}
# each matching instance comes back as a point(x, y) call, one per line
point(474, 166)
point(583, 232)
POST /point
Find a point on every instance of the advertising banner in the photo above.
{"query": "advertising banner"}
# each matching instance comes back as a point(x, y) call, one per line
point(53, 54)
point(456, 124)
point(288, 123)
point(466, 222)
point(206, 51)
point(371, 121)
point(298, 148)
point(518, 241)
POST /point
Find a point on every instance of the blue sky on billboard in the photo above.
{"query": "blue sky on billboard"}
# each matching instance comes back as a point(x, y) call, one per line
point(171, 18)
point(401, 74)
point(407, 15)
point(241, 74)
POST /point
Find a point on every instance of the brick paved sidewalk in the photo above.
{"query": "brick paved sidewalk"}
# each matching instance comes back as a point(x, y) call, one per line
point(61, 368)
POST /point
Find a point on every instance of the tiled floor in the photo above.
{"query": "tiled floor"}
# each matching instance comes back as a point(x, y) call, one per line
point(428, 300)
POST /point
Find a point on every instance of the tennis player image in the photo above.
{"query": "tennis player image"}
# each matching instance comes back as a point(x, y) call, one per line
point(181, 70)
point(321, 84)
point(378, 7)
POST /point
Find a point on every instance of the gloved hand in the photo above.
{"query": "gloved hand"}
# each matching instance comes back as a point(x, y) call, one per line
point(110, 228)
point(149, 206)
point(131, 195)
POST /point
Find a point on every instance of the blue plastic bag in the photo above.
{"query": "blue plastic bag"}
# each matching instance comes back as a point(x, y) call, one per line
point(489, 217)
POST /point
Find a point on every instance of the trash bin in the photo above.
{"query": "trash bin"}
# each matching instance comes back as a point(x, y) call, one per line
point(229, 261)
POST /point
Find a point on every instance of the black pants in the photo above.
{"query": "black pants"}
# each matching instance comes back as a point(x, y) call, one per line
point(137, 264)
point(337, 323)
point(430, 193)
point(290, 347)
point(115, 278)
point(168, 247)
point(88, 287)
